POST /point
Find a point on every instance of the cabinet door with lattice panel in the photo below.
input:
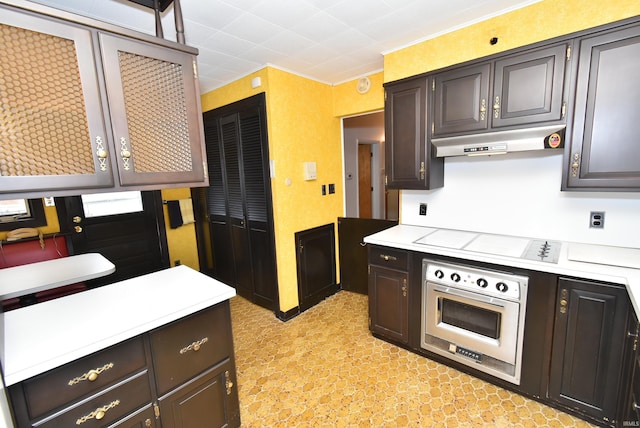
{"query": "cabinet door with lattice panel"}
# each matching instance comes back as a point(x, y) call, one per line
point(52, 127)
point(155, 112)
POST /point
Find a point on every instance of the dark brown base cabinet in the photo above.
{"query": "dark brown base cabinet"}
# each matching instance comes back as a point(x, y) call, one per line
point(580, 359)
point(631, 409)
point(180, 375)
point(589, 347)
point(389, 293)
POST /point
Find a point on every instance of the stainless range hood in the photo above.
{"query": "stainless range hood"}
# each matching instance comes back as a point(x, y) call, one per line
point(493, 143)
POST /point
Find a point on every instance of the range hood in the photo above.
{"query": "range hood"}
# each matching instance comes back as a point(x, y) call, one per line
point(493, 143)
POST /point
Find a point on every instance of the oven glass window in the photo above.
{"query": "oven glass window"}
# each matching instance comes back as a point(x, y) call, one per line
point(471, 318)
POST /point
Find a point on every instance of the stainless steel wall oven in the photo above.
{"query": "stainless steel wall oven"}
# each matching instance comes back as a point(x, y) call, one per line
point(474, 316)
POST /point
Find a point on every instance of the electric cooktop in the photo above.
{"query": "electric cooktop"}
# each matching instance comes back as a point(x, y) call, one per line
point(500, 245)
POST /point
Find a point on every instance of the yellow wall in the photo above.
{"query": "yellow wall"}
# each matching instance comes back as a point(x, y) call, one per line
point(540, 21)
point(181, 240)
point(348, 102)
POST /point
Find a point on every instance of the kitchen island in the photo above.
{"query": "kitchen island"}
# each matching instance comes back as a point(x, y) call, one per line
point(170, 329)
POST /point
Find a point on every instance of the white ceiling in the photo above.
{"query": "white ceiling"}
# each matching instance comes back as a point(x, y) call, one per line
point(331, 41)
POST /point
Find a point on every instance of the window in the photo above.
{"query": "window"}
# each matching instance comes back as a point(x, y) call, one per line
point(17, 213)
point(103, 204)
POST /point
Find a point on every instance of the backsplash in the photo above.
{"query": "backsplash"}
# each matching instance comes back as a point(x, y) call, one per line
point(519, 194)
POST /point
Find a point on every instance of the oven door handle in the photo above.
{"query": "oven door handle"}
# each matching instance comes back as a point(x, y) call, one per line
point(487, 300)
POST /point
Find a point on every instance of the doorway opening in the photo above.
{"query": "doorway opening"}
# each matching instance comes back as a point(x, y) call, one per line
point(363, 147)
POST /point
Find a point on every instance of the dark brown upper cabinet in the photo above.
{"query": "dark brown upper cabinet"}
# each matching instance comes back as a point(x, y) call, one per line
point(410, 162)
point(91, 106)
point(512, 91)
point(603, 154)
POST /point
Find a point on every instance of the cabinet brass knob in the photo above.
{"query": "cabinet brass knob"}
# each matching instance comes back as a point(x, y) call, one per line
point(78, 229)
point(101, 153)
point(98, 413)
point(563, 302)
point(93, 375)
point(195, 346)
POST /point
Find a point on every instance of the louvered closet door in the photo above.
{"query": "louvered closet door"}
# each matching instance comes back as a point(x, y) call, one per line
point(218, 234)
point(235, 204)
point(240, 247)
point(254, 148)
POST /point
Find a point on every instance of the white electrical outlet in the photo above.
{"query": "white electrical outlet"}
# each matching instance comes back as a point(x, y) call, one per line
point(596, 220)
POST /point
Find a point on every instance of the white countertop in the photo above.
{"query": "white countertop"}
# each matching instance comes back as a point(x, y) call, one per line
point(603, 260)
point(31, 278)
point(41, 337)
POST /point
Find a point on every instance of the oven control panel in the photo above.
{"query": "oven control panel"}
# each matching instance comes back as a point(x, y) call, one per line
point(482, 281)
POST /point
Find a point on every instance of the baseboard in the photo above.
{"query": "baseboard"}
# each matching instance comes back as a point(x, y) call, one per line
point(290, 314)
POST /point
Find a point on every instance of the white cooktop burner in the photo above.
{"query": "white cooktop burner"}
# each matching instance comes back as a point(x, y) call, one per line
point(499, 245)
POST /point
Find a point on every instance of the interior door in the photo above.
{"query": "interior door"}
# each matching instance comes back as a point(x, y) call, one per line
point(128, 231)
point(364, 181)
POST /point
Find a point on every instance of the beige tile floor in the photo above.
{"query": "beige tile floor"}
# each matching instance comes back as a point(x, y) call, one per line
point(324, 369)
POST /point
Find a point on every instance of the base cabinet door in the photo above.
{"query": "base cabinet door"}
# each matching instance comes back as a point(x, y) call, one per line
point(389, 293)
point(588, 347)
point(144, 418)
point(207, 401)
point(631, 409)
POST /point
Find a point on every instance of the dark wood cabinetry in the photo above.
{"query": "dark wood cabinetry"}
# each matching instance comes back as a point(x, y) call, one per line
point(389, 293)
point(588, 347)
point(409, 159)
point(519, 89)
point(179, 375)
point(84, 110)
point(631, 408)
point(236, 239)
point(603, 154)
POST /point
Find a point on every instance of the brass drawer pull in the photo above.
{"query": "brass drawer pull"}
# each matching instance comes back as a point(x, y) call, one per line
point(228, 382)
point(386, 258)
point(98, 413)
point(195, 346)
point(91, 375)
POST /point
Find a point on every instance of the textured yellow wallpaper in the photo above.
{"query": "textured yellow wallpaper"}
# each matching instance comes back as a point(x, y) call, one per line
point(182, 240)
point(235, 91)
point(302, 128)
point(540, 21)
point(347, 101)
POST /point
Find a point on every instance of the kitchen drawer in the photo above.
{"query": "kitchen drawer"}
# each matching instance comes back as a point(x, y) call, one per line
point(83, 377)
point(185, 348)
point(389, 257)
point(105, 407)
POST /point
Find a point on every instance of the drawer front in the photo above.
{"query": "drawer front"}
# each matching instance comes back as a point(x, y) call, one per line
point(105, 407)
point(389, 257)
point(187, 347)
point(83, 377)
